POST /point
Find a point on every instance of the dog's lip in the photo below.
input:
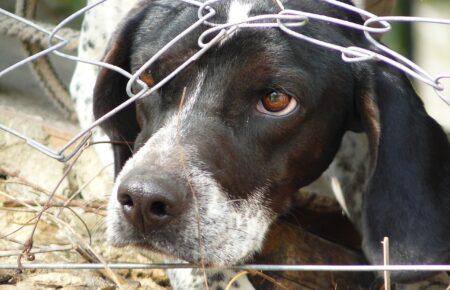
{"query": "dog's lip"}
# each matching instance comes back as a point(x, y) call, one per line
point(149, 247)
point(170, 256)
point(146, 245)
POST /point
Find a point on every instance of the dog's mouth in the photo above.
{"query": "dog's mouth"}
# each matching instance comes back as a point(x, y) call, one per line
point(199, 260)
point(227, 236)
point(213, 229)
point(188, 252)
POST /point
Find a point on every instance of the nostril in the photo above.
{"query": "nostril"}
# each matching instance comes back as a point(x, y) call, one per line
point(159, 209)
point(125, 200)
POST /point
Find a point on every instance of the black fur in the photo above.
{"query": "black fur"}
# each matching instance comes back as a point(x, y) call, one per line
point(408, 194)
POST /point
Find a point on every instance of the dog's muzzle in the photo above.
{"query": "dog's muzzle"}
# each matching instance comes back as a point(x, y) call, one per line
point(180, 209)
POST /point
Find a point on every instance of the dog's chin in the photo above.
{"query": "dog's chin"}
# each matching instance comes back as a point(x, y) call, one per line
point(169, 255)
point(173, 252)
point(183, 253)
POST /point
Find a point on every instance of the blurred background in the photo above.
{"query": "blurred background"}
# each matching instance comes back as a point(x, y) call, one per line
point(426, 44)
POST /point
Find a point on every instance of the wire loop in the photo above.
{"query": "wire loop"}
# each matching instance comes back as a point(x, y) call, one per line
point(287, 21)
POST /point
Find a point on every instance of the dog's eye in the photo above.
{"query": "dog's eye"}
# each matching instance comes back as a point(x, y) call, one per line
point(147, 78)
point(276, 104)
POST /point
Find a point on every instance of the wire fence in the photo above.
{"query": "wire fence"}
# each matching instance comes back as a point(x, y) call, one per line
point(284, 20)
point(287, 21)
point(256, 267)
point(249, 267)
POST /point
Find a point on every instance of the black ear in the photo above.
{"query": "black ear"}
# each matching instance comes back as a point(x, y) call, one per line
point(109, 92)
point(408, 195)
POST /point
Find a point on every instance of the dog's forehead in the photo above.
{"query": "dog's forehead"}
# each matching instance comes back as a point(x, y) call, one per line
point(165, 20)
point(248, 60)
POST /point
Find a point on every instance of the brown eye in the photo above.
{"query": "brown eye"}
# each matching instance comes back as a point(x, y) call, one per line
point(147, 78)
point(276, 104)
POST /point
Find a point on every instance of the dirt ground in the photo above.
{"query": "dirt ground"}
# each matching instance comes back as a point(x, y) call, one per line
point(73, 228)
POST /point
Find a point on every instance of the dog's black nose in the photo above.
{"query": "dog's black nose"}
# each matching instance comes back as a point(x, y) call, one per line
point(149, 204)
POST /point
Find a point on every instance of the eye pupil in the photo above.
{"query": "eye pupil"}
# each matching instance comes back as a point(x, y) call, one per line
point(276, 101)
point(274, 97)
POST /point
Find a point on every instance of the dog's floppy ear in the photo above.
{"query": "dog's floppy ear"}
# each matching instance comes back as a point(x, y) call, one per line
point(109, 91)
point(408, 194)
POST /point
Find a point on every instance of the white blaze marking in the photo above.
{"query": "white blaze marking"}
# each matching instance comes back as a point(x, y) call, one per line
point(238, 11)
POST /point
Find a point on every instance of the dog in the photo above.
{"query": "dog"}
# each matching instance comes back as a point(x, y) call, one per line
point(242, 162)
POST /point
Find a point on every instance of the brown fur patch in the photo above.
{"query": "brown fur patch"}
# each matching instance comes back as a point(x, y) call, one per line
point(371, 119)
point(288, 242)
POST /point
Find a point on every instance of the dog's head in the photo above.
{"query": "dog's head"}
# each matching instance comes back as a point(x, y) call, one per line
point(216, 154)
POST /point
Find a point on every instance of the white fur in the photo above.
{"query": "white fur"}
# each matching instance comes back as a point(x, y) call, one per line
point(238, 11)
point(182, 279)
point(337, 189)
point(102, 21)
point(239, 229)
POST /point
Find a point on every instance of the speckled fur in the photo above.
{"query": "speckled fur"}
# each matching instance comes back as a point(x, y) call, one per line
point(245, 222)
point(98, 25)
point(349, 168)
point(217, 280)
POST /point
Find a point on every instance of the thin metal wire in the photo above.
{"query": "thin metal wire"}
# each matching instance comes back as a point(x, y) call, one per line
point(257, 267)
point(285, 20)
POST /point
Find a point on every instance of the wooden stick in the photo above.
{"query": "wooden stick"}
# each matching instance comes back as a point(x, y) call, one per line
point(387, 274)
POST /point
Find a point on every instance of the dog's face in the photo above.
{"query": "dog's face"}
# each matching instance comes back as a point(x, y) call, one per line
point(219, 150)
point(223, 146)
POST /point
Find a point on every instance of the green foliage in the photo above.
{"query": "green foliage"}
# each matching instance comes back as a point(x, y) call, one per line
point(67, 5)
point(400, 38)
